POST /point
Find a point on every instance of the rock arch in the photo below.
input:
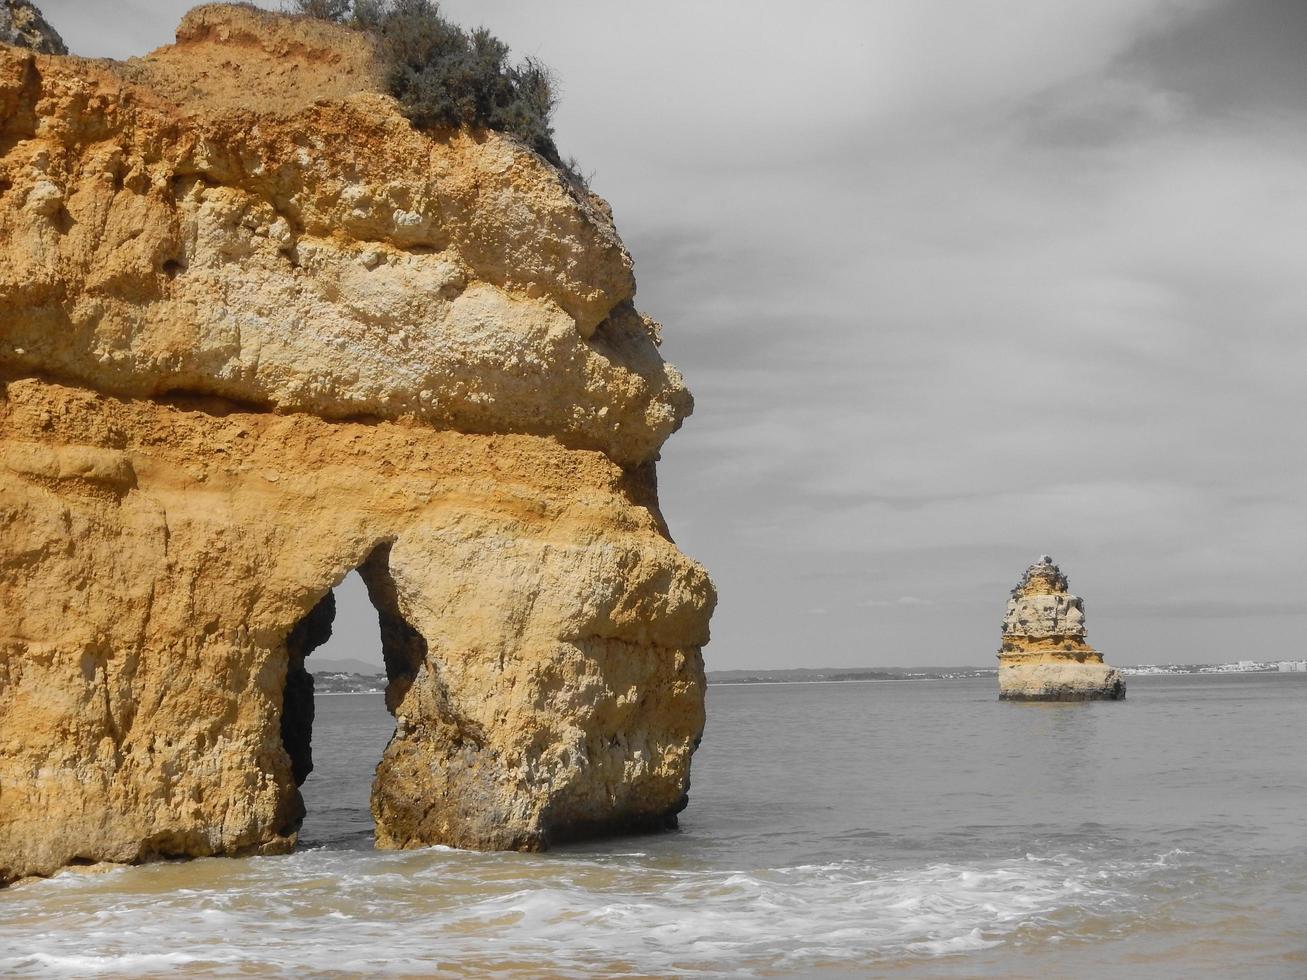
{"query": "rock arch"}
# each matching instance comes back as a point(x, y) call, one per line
point(253, 336)
point(403, 648)
point(165, 567)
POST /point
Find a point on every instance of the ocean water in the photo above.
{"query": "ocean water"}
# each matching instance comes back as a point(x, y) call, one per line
point(917, 829)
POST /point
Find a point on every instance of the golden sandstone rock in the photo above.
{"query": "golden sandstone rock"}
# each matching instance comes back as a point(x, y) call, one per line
point(1044, 656)
point(256, 332)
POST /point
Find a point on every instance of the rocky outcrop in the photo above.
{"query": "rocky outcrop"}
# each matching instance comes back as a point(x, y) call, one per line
point(21, 24)
point(242, 215)
point(1044, 656)
point(256, 332)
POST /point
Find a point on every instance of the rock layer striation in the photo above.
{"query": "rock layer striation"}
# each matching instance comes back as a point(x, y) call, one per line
point(257, 332)
point(1044, 656)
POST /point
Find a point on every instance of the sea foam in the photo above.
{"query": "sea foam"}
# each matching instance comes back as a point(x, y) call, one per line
point(438, 910)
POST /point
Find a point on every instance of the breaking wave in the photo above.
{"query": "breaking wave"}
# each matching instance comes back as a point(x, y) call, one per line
point(328, 912)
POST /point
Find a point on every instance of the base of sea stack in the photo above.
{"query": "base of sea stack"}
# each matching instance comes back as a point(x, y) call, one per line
point(1060, 682)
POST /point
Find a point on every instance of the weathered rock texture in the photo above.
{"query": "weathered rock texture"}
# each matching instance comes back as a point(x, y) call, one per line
point(1044, 656)
point(256, 332)
point(21, 24)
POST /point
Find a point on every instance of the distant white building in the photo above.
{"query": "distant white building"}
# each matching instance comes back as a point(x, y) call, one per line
point(1292, 666)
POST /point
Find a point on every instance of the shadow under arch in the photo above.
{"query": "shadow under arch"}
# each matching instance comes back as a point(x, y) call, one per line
point(403, 650)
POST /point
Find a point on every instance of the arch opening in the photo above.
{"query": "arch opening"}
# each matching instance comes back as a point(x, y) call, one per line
point(354, 642)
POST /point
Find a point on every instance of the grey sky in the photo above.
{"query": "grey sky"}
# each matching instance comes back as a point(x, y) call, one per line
point(954, 284)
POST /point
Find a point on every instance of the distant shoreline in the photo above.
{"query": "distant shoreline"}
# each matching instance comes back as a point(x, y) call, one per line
point(961, 673)
point(332, 694)
point(843, 680)
point(335, 682)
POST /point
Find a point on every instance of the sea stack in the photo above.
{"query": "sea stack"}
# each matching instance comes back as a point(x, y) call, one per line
point(1044, 656)
point(257, 330)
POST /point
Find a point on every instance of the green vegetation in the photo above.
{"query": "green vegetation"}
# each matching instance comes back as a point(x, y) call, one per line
point(443, 75)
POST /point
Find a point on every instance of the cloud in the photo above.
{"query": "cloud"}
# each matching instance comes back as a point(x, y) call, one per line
point(1212, 608)
point(907, 600)
point(954, 284)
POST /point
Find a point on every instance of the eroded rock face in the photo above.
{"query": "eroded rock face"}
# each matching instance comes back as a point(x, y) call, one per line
point(243, 215)
point(21, 24)
point(257, 332)
point(1044, 656)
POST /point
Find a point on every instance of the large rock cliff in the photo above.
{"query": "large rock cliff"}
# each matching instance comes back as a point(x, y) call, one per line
point(256, 332)
point(1044, 656)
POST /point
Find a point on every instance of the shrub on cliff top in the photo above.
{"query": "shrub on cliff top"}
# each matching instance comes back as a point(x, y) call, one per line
point(336, 10)
point(443, 75)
